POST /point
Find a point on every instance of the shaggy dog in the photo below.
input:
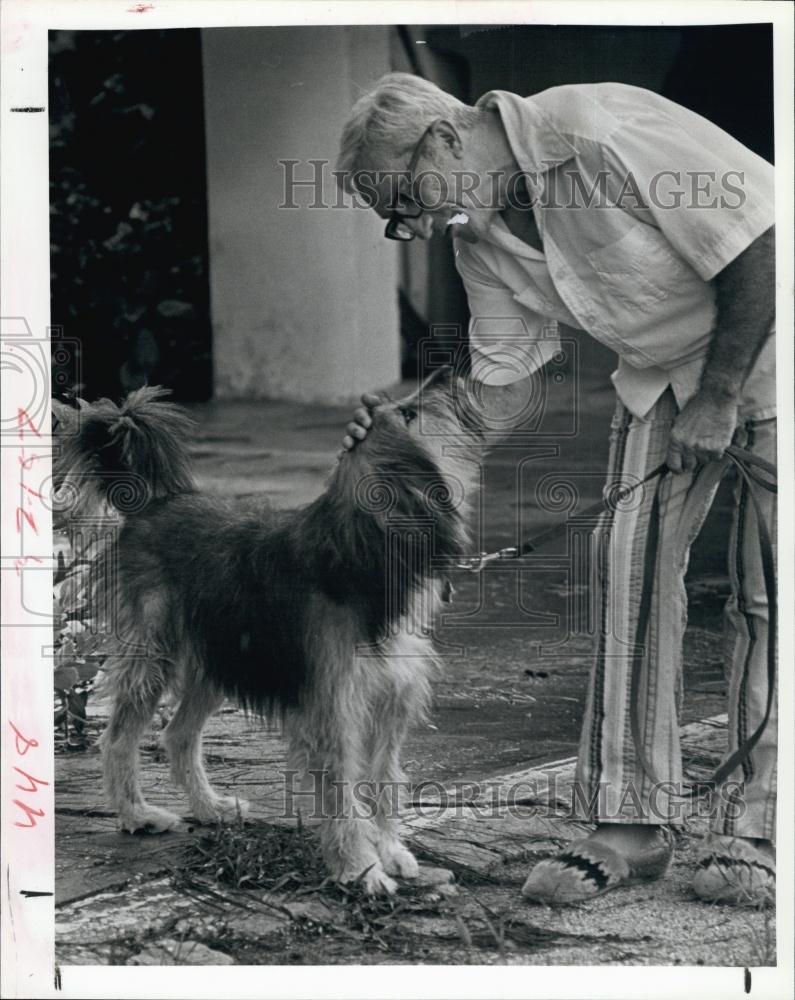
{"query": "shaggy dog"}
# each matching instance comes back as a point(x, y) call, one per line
point(321, 614)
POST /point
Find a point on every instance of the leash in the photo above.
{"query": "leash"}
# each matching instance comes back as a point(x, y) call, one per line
point(474, 564)
point(754, 471)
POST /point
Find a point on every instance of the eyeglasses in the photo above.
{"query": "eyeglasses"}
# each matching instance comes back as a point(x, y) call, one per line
point(395, 228)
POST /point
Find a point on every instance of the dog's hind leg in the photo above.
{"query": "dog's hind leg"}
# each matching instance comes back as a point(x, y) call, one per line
point(183, 741)
point(138, 686)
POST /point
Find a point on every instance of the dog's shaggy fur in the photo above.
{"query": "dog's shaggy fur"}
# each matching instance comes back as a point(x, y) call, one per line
point(321, 613)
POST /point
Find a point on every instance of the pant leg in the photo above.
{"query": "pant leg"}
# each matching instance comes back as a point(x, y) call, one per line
point(746, 805)
point(610, 783)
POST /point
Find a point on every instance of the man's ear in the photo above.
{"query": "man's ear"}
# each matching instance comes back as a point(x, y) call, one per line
point(447, 134)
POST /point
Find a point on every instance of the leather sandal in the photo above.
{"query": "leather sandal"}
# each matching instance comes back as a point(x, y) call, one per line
point(590, 868)
point(733, 870)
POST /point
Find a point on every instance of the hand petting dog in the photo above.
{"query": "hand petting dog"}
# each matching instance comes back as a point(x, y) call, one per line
point(362, 421)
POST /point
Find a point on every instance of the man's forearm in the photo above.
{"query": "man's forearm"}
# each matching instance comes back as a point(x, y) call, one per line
point(745, 296)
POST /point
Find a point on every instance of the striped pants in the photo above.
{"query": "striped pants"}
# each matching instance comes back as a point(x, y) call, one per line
point(611, 786)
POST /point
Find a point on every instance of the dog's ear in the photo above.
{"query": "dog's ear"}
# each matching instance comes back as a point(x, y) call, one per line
point(441, 377)
point(441, 382)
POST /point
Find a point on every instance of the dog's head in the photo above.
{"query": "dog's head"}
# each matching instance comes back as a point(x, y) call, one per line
point(441, 411)
point(419, 460)
point(400, 495)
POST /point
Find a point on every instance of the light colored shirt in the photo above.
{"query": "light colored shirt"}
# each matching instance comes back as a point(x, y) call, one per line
point(639, 203)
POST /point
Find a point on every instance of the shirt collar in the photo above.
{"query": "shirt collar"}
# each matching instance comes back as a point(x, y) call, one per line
point(534, 140)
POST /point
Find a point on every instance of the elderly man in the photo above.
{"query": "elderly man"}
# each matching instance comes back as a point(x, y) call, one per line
point(610, 209)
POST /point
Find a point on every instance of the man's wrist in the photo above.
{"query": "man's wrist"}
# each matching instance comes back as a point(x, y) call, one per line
point(720, 393)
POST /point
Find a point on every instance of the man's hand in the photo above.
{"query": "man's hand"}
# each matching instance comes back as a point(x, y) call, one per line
point(361, 423)
point(745, 296)
point(701, 432)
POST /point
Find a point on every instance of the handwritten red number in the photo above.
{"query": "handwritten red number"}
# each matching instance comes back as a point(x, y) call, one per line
point(20, 513)
point(34, 782)
point(22, 419)
point(30, 812)
point(23, 744)
point(26, 462)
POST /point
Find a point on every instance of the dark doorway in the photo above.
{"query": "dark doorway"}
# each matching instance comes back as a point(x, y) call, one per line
point(128, 217)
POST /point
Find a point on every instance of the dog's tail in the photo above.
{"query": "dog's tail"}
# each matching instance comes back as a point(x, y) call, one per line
point(125, 455)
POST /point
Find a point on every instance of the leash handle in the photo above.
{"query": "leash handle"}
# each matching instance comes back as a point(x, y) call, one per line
point(740, 457)
point(743, 458)
point(745, 462)
point(642, 633)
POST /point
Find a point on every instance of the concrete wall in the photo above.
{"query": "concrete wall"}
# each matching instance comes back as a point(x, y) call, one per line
point(304, 301)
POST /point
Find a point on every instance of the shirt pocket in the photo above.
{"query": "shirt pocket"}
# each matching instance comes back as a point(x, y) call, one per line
point(639, 268)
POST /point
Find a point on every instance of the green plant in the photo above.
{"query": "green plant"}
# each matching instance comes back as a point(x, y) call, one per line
point(80, 649)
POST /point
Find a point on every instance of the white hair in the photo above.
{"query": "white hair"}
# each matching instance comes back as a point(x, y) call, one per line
point(387, 122)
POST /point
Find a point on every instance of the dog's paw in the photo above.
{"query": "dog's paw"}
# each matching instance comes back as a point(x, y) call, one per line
point(220, 807)
point(397, 859)
point(150, 819)
point(374, 880)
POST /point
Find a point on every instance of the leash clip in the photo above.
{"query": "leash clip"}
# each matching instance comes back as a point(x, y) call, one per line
point(475, 564)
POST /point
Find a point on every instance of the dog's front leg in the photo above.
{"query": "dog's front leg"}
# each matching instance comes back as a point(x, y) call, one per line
point(348, 833)
point(390, 782)
point(396, 858)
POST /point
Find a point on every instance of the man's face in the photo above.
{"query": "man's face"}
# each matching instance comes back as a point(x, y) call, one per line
point(441, 194)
